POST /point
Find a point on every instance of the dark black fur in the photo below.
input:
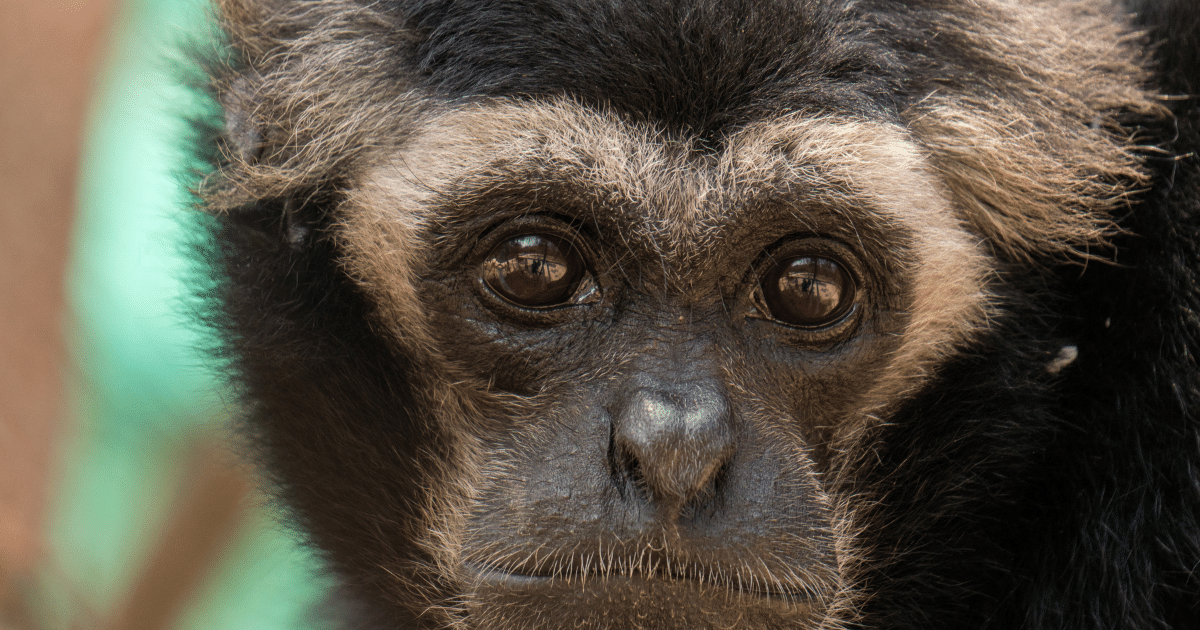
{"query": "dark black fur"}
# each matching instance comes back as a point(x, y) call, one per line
point(1005, 499)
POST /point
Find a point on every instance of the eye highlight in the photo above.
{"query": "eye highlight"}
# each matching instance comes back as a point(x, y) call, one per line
point(534, 270)
point(808, 291)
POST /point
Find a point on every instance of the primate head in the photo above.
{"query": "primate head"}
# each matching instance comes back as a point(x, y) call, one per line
point(679, 315)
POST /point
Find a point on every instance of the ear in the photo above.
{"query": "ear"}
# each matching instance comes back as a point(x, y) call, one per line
point(1037, 159)
point(244, 22)
point(305, 88)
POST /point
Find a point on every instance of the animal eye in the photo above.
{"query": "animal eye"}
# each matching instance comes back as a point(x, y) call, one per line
point(808, 291)
point(534, 270)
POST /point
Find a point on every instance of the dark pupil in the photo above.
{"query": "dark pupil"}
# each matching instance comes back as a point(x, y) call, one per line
point(808, 291)
point(533, 270)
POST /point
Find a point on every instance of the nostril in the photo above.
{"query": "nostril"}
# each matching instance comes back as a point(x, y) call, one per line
point(673, 440)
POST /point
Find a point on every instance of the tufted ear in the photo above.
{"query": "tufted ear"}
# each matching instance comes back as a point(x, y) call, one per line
point(1039, 160)
point(243, 20)
point(304, 87)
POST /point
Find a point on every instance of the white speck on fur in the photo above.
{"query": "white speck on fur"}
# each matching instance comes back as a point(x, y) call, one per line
point(1066, 356)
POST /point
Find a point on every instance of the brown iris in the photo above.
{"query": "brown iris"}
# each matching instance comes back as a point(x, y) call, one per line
point(534, 270)
point(808, 291)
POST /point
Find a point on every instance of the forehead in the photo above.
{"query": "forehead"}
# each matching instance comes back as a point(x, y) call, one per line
point(699, 66)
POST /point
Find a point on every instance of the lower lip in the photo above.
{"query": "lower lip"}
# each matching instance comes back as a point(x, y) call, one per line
point(505, 579)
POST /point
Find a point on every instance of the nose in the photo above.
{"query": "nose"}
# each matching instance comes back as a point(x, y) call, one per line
point(675, 439)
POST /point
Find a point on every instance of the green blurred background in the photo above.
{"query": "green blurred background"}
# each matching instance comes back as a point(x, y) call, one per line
point(139, 389)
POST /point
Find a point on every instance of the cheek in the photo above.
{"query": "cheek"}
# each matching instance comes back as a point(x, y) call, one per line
point(513, 357)
point(808, 397)
point(551, 472)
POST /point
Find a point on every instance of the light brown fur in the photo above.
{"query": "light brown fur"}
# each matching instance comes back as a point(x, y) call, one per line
point(1031, 153)
point(682, 205)
point(1025, 166)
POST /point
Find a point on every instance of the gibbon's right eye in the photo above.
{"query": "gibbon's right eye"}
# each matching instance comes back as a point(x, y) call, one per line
point(534, 270)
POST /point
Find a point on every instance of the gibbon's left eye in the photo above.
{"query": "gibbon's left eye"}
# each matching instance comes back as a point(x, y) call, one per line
point(808, 291)
point(534, 270)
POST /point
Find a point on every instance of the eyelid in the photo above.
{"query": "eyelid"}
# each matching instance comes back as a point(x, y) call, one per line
point(559, 226)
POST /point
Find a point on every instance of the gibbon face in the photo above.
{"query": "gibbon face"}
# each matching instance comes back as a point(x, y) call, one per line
point(657, 352)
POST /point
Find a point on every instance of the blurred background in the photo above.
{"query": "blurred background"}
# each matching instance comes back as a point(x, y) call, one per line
point(122, 502)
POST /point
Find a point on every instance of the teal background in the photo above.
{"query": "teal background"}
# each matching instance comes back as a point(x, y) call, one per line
point(139, 388)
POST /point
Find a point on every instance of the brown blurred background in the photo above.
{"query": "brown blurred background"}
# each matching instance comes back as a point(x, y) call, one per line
point(48, 53)
point(121, 505)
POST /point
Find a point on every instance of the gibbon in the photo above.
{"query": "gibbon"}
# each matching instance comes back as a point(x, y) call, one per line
point(745, 314)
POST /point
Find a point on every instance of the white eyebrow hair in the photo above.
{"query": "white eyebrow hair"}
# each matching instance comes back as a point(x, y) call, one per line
point(681, 204)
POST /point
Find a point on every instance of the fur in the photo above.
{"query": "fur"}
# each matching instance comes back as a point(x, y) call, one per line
point(1009, 439)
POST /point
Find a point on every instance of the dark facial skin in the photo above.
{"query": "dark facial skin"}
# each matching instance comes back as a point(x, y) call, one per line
point(667, 447)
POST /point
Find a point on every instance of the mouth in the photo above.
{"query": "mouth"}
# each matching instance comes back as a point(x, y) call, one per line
point(644, 573)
